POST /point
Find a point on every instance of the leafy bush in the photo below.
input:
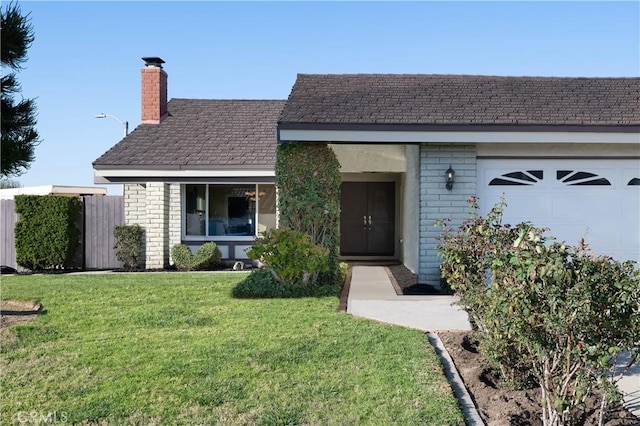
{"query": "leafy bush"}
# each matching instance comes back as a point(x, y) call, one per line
point(261, 284)
point(207, 257)
point(182, 257)
point(467, 254)
point(129, 239)
point(571, 314)
point(291, 256)
point(467, 258)
point(545, 311)
point(46, 235)
point(308, 180)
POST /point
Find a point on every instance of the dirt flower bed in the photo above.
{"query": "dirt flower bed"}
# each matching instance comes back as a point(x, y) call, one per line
point(502, 407)
point(14, 312)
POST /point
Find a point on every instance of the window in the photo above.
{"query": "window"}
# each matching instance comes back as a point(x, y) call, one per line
point(529, 177)
point(224, 211)
point(580, 178)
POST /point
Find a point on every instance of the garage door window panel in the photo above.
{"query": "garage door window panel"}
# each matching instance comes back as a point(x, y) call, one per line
point(580, 178)
point(529, 177)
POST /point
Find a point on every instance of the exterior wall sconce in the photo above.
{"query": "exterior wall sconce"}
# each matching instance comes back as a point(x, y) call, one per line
point(450, 176)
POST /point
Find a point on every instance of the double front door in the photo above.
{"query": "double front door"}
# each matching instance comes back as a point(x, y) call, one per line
point(367, 219)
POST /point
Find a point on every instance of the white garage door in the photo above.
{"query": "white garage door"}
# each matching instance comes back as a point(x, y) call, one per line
point(597, 199)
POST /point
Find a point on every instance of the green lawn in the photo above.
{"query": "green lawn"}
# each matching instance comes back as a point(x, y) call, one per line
point(175, 348)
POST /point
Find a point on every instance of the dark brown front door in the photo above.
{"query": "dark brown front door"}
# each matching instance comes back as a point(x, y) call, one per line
point(367, 218)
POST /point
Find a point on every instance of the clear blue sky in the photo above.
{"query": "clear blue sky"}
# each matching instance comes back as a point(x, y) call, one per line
point(86, 55)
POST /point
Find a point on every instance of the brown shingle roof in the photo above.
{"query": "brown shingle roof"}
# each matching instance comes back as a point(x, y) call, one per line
point(423, 100)
point(199, 133)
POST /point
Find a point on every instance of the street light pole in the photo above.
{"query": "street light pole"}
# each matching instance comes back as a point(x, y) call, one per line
point(124, 123)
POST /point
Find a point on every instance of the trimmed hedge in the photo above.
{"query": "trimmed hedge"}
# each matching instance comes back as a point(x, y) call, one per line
point(46, 236)
point(129, 245)
point(207, 257)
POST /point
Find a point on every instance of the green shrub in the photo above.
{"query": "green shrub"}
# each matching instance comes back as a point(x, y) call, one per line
point(182, 257)
point(129, 239)
point(261, 284)
point(207, 257)
point(46, 235)
point(308, 180)
point(291, 256)
point(344, 270)
point(467, 254)
point(570, 314)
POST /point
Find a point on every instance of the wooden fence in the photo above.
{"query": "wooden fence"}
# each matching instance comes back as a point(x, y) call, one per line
point(99, 216)
point(8, 219)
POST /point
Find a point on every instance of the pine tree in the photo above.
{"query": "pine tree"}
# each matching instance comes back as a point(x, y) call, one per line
point(19, 136)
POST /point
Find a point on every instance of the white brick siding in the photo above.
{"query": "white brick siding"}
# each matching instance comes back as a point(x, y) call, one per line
point(134, 204)
point(135, 209)
point(175, 216)
point(155, 206)
point(157, 225)
point(436, 202)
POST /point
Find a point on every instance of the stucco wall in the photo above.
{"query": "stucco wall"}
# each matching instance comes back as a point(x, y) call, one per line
point(370, 158)
point(436, 202)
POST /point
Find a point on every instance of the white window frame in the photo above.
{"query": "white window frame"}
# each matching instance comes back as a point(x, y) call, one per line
point(200, 238)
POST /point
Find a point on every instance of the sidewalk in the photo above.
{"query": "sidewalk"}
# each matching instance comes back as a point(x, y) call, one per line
point(372, 296)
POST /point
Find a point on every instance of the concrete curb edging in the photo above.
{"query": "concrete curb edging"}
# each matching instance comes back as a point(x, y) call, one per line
point(469, 410)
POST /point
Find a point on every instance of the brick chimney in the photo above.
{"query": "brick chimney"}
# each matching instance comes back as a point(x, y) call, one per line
point(154, 91)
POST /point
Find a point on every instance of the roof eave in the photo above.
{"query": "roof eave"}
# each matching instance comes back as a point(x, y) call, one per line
point(460, 127)
point(182, 167)
point(459, 134)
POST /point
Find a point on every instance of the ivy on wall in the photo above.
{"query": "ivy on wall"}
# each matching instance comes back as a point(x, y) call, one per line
point(308, 181)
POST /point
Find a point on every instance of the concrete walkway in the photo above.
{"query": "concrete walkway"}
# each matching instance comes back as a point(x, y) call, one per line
point(372, 296)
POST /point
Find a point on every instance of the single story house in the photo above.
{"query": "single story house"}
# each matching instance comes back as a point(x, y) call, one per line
point(564, 151)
